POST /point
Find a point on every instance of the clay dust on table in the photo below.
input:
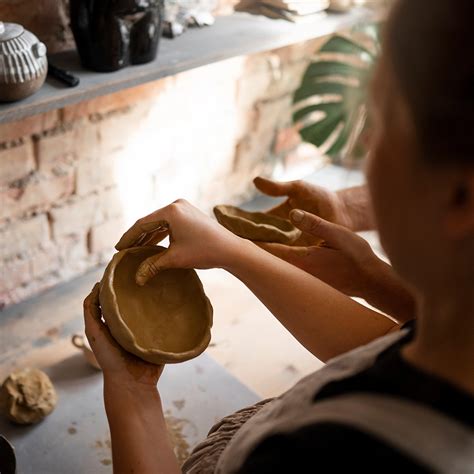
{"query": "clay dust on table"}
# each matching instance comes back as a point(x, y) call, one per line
point(175, 428)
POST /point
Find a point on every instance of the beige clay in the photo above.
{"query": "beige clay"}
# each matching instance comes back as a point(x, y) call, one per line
point(167, 320)
point(257, 226)
point(27, 396)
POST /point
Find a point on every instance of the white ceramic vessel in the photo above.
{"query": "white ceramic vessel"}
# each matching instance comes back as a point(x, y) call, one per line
point(23, 62)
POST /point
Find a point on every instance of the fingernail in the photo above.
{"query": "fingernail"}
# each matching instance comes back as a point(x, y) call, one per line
point(296, 215)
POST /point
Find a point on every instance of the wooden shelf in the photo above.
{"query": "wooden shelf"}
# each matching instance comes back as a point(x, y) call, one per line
point(236, 35)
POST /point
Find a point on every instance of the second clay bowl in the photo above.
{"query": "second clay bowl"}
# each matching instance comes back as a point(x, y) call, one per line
point(257, 226)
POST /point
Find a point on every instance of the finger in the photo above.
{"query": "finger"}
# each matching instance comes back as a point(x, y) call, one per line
point(273, 188)
point(155, 237)
point(334, 235)
point(95, 329)
point(139, 231)
point(155, 264)
point(93, 314)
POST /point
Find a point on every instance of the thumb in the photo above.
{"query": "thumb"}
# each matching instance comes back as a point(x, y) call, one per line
point(334, 235)
point(154, 265)
point(273, 188)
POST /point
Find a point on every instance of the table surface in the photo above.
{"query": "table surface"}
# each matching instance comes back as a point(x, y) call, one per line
point(75, 437)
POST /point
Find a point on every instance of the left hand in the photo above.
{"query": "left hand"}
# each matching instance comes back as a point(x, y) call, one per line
point(119, 367)
point(344, 261)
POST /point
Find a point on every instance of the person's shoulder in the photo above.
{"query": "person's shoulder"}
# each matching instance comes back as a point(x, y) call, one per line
point(336, 446)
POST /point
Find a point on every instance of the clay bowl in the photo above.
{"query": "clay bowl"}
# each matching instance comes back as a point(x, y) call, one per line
point(168, 320)
point(257, 226)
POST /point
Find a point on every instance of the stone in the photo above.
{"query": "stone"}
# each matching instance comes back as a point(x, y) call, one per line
point(27, 396)
point(257, 226)
point(168, 320)
point(16, 162)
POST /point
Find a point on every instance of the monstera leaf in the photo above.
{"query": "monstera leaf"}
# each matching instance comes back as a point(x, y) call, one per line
point(330, 104)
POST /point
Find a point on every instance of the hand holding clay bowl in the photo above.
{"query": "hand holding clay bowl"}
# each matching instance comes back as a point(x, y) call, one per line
point(167, 320)
point(257, 226)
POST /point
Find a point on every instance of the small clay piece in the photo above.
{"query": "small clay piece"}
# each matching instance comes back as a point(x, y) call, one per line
point(81, 342)
point(27, 396)
point(167, 320)
point(257, 226)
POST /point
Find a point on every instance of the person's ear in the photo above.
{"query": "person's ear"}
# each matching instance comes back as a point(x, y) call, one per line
point(459, 221)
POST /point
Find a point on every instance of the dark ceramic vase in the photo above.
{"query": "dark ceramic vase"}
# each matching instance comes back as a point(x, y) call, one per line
point(112, 34)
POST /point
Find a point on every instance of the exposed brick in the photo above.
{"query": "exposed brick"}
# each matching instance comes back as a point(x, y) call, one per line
point(111, 203)
point(95, 174)
point(123, 129)
point(76, 217)
point(36, 193)
point(104, 236)
point(44, 261)
point(74, 256)
point(23, 237)
point(16, 162)
point(14, 273)
point(112, 102)
point(35, 124)
point(55, 150)
point(86, 138)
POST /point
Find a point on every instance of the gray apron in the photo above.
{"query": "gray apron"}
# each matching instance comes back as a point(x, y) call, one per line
point(427, 436)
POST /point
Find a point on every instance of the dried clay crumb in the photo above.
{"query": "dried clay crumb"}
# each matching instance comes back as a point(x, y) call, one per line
point(106, 462)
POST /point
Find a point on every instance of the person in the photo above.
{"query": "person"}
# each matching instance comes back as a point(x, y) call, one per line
point(344, 261)
point(393, 400)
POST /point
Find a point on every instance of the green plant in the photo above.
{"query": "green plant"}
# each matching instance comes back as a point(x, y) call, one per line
point(330, 105)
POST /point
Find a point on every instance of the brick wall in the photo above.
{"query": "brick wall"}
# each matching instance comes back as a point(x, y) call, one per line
point(71, 180)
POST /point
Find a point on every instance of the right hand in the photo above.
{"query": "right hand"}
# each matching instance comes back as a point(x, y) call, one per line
point(196, 240)
point(302, 195)
point(344, 261)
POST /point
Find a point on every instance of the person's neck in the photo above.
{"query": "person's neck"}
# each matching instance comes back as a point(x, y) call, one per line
point(444, 341)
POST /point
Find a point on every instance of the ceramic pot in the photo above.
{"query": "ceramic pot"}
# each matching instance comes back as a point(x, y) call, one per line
point(112, 34)
point(81, 342)
point(23, 63)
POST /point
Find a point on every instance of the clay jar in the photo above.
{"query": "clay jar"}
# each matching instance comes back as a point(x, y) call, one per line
point(167, 320)
point(23, 63)
point(112, 34)
point(257, 226)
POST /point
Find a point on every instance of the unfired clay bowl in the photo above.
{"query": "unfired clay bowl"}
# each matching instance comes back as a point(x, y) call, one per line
point(257, 226)
point(167, 320)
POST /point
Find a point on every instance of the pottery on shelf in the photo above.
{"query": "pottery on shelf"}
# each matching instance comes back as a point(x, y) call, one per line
point(112, 34)
point(167, 320)
point(257, 226)
point(23, 63)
